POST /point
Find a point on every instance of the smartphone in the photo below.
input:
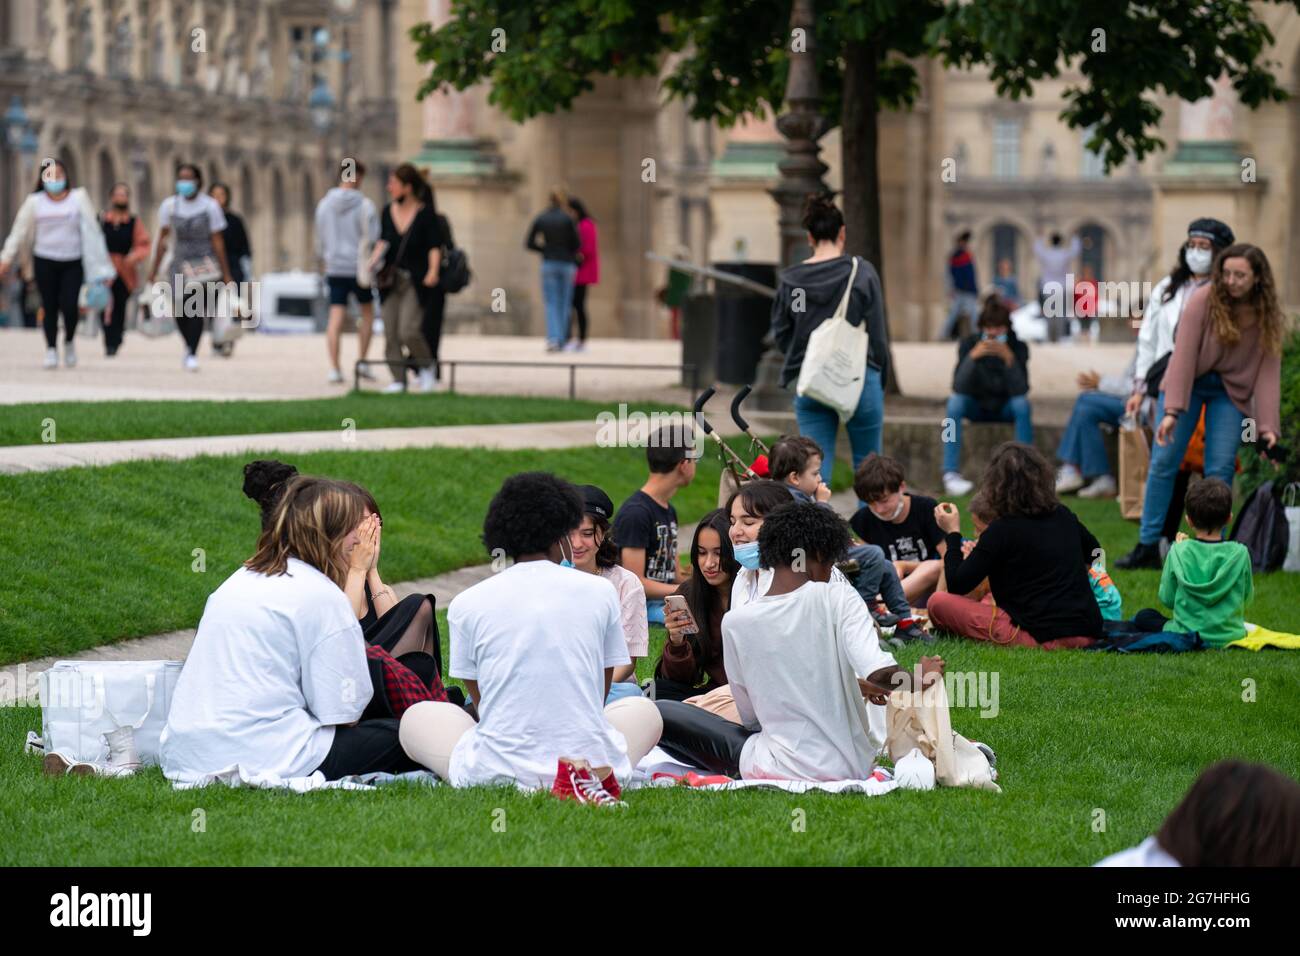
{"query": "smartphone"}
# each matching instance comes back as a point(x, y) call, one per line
point(677, 602)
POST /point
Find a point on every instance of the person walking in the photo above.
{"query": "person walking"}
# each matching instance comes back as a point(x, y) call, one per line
point(347, 228)
point(434, 303)
point(807, 295)
point(127, 241)
point(199, 258)
point(559, 244)
point(1055, 289)
point(1227, 360)
point(588, 273)
point(963, 287)
point(411, 244)
point(57, 229)
point(239, 253)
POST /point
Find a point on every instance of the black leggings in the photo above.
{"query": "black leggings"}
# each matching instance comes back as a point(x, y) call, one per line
point(698, 738)
point(370, 746)
point(59, 284)
point(431, 326)
point(580, 312)
point(116, 325)
point(191, 327)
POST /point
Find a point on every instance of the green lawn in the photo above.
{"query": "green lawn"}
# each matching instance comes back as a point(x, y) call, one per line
point(118, 421)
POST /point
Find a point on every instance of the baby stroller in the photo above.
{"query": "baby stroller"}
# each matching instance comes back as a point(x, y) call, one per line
point(734, 469)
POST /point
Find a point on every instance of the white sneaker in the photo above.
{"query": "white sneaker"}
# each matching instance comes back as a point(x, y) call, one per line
point(190, 363)
point(573, 345)
point(1103, 486)
point(1068, 479)
point(336, 377)
point(955, 484)
point(425, 381)
point(394, 387)
point(70, 354)
point(51, 358)
point(363, 371)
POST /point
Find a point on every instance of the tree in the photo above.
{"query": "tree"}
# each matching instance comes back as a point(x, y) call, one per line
point(730, 59)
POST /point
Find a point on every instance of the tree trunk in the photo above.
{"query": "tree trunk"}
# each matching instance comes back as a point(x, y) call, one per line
point(859, 152)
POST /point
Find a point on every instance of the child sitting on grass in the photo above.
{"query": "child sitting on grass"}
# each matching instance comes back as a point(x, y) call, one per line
point(900, 523)
point(796, 460)
point(1207, 580)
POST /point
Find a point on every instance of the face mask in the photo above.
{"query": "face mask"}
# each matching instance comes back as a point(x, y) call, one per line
point(566, 562)
point(121, 205)
point(1198, 260)
point(186, 187)
point(995, 338)
point(747, 555)
point(54, 185)
point(898, 510)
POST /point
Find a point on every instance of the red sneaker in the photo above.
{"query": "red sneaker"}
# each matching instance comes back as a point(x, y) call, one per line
point(577, 780)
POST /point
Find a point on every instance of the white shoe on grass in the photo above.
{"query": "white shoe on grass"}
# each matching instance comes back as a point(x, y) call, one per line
point(1068, 479)
point(914, 771)
point(425, 381)
point(51, 358)
point(955, 484)
point(1103, 486)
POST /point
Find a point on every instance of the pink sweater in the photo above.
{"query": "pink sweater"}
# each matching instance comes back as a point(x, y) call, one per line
point(1251, 376)
point(589, 268)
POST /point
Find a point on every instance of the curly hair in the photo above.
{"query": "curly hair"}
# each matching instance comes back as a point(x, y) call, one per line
point(1018, 480)
point(531, 512)
point(264, 483)
point(1262, 298)
point(802, 529)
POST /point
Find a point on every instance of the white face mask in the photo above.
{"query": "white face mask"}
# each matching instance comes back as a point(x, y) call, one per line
point(1199, 260)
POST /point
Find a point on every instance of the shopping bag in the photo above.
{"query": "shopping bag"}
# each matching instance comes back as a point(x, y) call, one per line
point(81, 701)
point(1134, 459)
point(834, 366)
point(1289, 495)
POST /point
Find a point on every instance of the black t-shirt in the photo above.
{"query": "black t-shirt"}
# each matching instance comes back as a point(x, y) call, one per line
point(641, 522)
point(915, 538)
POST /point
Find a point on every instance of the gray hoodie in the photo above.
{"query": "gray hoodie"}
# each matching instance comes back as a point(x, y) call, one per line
point(346, 228)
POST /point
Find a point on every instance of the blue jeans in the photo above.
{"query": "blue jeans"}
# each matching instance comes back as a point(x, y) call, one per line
point(1082, 444)
point(1222, 438)
point(965, 406)
point(654, 610)
point(821, 423)
point(557, 296)
point(620, 689)
point(876, 575)
point(962, 302)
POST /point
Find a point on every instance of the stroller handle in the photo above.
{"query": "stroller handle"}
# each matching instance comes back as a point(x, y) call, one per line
point(699, 409)
point(735, 407)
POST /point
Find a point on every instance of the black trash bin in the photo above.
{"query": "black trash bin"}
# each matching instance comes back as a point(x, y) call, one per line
point(744, 318)
point(699, 338)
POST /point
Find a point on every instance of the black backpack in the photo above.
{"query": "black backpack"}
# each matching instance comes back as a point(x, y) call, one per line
point(1262, 528)
point(454, 274)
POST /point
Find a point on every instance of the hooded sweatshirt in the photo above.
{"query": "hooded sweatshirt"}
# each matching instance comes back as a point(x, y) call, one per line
point(822, 285)
point(345, 219)
point(1208, 584)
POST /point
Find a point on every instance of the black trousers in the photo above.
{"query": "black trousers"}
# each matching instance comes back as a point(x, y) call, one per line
point(191, 328)
point(696, 737)
point(116, 325)
point(1174, 516)
point(370, 746)
point(431, 325)
point(579, 312)
point(59, 284)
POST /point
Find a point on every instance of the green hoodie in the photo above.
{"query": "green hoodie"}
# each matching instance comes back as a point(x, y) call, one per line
point(1208, 584)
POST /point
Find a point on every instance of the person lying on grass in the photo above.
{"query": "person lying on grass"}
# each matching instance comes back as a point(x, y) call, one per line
point(536, 645)
point(1035, 554)
point(800, 658)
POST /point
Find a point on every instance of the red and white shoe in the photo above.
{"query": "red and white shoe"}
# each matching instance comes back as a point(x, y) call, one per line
point(578, 780)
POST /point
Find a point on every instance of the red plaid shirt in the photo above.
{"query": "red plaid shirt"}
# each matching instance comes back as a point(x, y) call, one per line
point(402, 686)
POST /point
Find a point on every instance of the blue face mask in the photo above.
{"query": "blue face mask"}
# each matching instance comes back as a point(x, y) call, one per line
point(186, 187)
point(747, 555)
point(996, 338)
point(54, 185)
point(565, 562)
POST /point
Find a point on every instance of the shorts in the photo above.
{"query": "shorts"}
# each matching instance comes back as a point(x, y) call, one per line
point(343, 286)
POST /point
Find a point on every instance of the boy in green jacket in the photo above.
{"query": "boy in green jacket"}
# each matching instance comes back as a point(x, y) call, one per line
point(1206, 580)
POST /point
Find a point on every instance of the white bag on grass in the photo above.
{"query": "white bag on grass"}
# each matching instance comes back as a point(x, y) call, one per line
point(1292, 511)
point(81, 701)
point(834, 368)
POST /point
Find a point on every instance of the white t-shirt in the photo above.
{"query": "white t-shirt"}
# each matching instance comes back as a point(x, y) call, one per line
point(750, 585)
point(277, 662)
point(792, 662)
point(58, 228)
point(631, 600)
point(1146, 853)
point(537, 637)
point(178, 207)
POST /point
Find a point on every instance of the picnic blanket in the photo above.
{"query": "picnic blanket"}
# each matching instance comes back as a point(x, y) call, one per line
point(238, 777)
point(658, 769)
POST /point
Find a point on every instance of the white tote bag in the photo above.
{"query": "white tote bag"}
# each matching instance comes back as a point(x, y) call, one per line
point(1292, 562)
point(81, 701)
point(835, 363)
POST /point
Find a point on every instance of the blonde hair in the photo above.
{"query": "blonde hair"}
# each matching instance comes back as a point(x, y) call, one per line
point(1262, 297)
point(309, 523)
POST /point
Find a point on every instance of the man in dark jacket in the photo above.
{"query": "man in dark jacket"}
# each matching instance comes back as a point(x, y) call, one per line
point(558, 244)
point(962, 286)
point(989, 384)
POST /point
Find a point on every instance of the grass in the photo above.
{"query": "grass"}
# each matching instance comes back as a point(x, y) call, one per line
point(120, 421)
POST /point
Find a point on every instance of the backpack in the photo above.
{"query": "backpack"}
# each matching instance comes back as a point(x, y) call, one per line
point(454, 273)
point(1262, 527)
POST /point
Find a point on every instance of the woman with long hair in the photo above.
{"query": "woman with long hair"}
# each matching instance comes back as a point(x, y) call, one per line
point(239, 253)
point(57, 230)
point(277, 679)
point(127, 241)
point(806, 296)
point(412, 236)
point(588, 273)
point(1035, 554)
point(1227, 360)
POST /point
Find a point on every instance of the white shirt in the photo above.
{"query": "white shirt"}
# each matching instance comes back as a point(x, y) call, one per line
point(58, 228)
point(177, 207)
point(1159, 322)
point(277, 662)
point(1054, 262)
point(631, 600)
point(537, 637)
point(792, 662)
point(1146, 853)
point(750, 585)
